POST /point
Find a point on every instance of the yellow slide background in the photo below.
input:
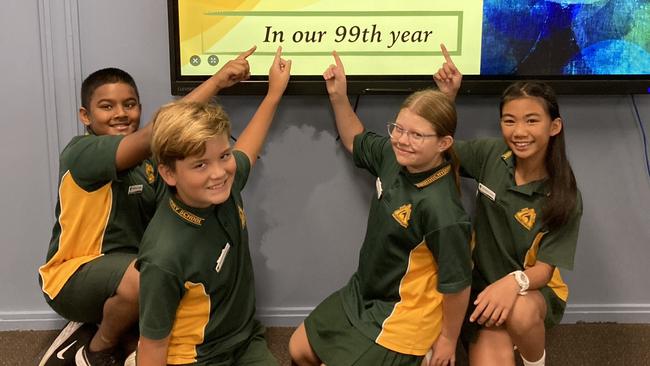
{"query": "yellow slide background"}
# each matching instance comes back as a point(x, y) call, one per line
point(373, 37)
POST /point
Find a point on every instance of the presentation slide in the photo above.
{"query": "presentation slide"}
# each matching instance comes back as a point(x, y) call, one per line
point(372, 37)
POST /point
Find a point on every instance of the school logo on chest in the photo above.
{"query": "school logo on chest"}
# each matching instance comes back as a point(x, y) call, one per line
point(402, 215)
point(526, 217)
point(148, 170)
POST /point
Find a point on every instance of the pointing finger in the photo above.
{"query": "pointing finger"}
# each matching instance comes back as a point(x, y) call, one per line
point(445, 53)
point(245, 54)
point(278, 54)
point(337, 59)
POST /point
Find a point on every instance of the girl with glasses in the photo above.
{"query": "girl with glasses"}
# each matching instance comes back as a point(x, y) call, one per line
point(411, 288)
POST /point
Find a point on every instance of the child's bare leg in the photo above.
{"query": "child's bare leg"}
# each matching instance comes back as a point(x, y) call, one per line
point(300, 350)
point(120, 312)
point(526, 325)
point(492, 348)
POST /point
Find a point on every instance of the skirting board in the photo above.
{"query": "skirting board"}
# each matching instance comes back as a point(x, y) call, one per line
point(30, 320)
point(293, 316)
point(613, 313)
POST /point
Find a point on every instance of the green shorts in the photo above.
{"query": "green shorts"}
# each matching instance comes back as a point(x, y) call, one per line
point(337, 342)
point(554, 312)
point(254, 352)
point(82, 298)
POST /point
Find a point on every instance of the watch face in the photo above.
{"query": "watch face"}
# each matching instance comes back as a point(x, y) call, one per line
point(522, 280)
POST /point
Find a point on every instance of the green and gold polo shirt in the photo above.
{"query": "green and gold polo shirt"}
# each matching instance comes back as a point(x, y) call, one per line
point(99, 209)
point(416, 248)
point(196, 276)
point(509, 234)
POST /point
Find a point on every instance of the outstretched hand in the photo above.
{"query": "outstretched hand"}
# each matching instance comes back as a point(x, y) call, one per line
point(279, 74)
point(334, 76)
point(448, 77)
point(235, 70)
point(495, 302)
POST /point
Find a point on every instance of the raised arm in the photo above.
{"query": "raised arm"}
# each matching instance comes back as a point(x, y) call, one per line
point(252, 138)
point(135, 147)
point(347, 122)
point(448, 78)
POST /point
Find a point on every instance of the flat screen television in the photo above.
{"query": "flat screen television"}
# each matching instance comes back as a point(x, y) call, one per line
point(577, 46)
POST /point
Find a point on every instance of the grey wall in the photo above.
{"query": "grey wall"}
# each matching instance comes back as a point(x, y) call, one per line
point(305, 202)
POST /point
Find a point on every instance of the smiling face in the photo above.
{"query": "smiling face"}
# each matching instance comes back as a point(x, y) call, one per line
point(206, 179)
point(417, 156)
point(114, 109)
point(527, 128)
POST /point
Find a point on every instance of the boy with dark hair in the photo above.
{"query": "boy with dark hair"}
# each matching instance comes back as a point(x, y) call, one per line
point(197, 296)
point(108, 190)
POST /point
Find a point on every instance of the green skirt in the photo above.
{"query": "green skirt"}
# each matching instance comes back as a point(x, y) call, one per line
point(338, 343)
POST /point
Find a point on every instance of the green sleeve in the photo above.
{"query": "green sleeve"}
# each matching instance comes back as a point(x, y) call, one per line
point(160, 295)
point(243, 170)
point(91, 160)
point(558, 247)
point(369, 150)
point(450, 246)
point(473, 155)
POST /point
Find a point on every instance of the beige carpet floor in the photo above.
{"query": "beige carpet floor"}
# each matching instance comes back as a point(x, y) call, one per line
point(586, 344)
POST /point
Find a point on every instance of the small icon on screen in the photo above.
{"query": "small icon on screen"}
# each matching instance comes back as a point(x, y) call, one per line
point(195, 60)
point(213, 60)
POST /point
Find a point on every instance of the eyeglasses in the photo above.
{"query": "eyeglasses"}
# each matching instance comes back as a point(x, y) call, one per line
point(396, 131)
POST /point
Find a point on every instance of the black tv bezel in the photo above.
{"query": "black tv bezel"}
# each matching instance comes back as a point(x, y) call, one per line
point(362, 84)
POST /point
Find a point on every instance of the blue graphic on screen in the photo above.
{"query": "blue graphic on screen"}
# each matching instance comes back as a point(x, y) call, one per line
point(570, 37)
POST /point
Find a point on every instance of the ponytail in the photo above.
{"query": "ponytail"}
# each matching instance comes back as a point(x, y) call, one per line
point(452, 157)
point(562, 198)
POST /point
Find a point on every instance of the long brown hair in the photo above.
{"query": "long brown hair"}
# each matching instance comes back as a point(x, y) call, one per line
point(562, 198)
point(435, 107)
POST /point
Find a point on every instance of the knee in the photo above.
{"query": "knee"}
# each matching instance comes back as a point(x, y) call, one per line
point(300, 350)
point(129, 288)
point(524, 318)
point(295, 350)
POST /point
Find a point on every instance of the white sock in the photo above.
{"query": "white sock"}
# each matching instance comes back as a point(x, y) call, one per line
point(539, 362)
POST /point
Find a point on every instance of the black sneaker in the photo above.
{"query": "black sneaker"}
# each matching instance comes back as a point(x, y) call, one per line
point(108, 357)
point(63, 349)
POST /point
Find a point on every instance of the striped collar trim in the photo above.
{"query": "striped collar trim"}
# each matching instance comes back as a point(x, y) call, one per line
point(185, 214)
point(434, 177)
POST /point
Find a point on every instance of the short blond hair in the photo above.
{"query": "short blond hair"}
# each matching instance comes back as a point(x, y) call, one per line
point(181, 129)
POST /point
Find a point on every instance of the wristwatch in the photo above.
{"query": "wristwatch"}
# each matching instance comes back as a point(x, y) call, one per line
point(522, 281)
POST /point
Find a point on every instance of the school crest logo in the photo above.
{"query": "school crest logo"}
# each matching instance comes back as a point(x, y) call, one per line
point(402, 215)
point(242, 217)
point(526, 217)
point(148, 170)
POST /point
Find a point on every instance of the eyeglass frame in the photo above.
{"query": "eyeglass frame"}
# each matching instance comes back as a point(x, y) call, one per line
point(419, 137)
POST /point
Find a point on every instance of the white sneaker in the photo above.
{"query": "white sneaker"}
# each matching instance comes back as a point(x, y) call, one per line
point(130, 360)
